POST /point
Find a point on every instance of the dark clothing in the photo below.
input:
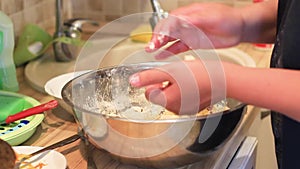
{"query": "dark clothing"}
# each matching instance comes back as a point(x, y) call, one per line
point(286, 54)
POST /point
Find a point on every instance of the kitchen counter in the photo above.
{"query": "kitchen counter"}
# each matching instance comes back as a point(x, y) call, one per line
point(59, 124)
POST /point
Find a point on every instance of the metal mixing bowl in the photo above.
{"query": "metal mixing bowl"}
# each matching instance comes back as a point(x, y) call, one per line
point(165, 143)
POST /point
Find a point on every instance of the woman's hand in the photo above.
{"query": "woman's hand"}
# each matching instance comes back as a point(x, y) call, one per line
point(214, 25)
point(201, 25)
point(183, 87)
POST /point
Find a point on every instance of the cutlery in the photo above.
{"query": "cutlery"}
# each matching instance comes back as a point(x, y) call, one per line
point(61, 143)
point(31, 111)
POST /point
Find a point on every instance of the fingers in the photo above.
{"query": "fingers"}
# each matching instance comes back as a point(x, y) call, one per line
point(157, 41)
point(174, 49)
point(166, 97)
point(186, 24)
point(163, 33)
point(157, 91)
point(171, 98)
point(177, 31)
point(148, 77)
point(155, 95)
point(160, 37)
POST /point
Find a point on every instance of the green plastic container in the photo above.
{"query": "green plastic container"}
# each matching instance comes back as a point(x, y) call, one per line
point(8, 77)
point(19, 131)
point(31, 44)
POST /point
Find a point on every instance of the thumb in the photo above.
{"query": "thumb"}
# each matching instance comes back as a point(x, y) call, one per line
point(156, 96)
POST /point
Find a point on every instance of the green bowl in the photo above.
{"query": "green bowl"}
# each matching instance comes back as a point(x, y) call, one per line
point(19, 131)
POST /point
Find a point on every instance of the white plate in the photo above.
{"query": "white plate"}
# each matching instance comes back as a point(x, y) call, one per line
point(51, 158)
point(54, 86)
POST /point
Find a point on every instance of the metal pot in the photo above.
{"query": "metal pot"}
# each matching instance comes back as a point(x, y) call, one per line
point(165, 143)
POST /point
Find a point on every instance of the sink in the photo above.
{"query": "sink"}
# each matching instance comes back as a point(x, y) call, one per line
point(39, 71)
point(105, 52)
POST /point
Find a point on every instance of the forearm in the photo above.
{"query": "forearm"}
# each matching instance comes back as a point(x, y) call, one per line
point(260, 22)
point(276, 89)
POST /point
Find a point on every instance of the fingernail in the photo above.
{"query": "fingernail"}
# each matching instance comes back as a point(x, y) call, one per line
point(150, 46)
point(134, 80)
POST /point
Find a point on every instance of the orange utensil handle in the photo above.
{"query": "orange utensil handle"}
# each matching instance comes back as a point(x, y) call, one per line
point(32, 111)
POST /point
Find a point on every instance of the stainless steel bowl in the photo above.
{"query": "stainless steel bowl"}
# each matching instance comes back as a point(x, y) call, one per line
point(166, 143)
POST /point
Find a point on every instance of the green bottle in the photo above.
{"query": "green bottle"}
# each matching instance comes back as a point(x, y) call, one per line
point(8, 76)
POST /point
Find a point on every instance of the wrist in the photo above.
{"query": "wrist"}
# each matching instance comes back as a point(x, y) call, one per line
point(246, 22)
point(232, 73)
point(259, 22)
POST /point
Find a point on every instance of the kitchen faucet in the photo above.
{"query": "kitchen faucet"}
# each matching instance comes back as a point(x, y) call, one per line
point(158, 14)
point(70, 29)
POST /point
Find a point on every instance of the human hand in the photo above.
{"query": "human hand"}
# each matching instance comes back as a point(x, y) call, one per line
point(191, 85)
point(201, 25)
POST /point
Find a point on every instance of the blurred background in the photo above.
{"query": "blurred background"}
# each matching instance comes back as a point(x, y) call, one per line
point(42, 12)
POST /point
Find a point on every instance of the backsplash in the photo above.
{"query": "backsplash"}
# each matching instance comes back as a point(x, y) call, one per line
point(40, 12)
point(108, 10)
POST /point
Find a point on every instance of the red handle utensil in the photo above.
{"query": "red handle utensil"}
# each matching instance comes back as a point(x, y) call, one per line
point(32, 111)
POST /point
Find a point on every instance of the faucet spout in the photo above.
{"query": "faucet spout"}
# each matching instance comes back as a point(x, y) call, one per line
point(59, 18)
point(61, 50)
point(70, 29)
point(158, 14)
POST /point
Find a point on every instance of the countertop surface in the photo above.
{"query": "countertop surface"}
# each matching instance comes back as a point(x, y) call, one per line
point(59, 124)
